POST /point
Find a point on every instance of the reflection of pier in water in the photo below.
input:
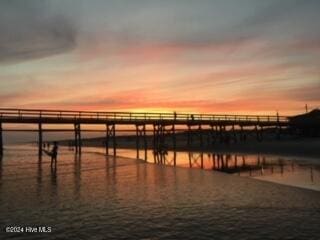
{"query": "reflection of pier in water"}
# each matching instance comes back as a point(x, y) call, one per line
point(243, 165)
point(268, 168)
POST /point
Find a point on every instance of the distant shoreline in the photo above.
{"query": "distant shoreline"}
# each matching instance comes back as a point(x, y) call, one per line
point(304, 147)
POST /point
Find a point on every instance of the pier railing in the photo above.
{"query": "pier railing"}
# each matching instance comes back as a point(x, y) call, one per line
point(12, 113)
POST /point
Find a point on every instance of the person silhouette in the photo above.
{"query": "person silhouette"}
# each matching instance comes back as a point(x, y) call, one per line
point(175, 115)
point(54, 153)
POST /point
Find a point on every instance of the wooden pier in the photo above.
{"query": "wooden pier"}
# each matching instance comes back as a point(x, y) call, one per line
point(202, 128)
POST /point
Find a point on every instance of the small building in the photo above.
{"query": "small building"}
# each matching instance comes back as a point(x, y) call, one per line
point(307, 124)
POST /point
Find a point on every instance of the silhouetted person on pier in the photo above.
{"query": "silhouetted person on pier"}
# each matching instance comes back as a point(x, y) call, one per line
point(175, 115)
point(192, 117)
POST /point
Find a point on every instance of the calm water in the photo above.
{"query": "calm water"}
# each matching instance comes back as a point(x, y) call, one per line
point(99, 197)
point(290, 171)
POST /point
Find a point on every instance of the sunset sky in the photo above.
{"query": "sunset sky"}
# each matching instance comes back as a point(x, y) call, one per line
point(211, 56)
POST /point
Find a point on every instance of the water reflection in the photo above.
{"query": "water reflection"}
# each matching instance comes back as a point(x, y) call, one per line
point(244, 165)
point(109, 195)
point(269, 168)
point(77, 175)
point(39, 175)
point(195, 160)
point(161, 157)
point(264, 167)
point(54, 174)
point(111, 171)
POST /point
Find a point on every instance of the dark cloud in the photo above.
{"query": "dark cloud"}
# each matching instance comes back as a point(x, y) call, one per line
point(31, 29)
point(294, 17)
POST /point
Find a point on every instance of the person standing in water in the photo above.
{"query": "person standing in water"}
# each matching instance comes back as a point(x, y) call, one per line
point(53, 153)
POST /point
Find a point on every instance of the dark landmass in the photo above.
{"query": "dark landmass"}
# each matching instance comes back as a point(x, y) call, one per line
point(286, 145)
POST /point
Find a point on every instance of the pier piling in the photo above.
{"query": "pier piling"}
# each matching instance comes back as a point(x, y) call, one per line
point(1, 140)
point(189, 133)
point(141, 132)
point(111, 134)
point(77, 135)
point(200, 132)
point(174, 139)
point(40, 139)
